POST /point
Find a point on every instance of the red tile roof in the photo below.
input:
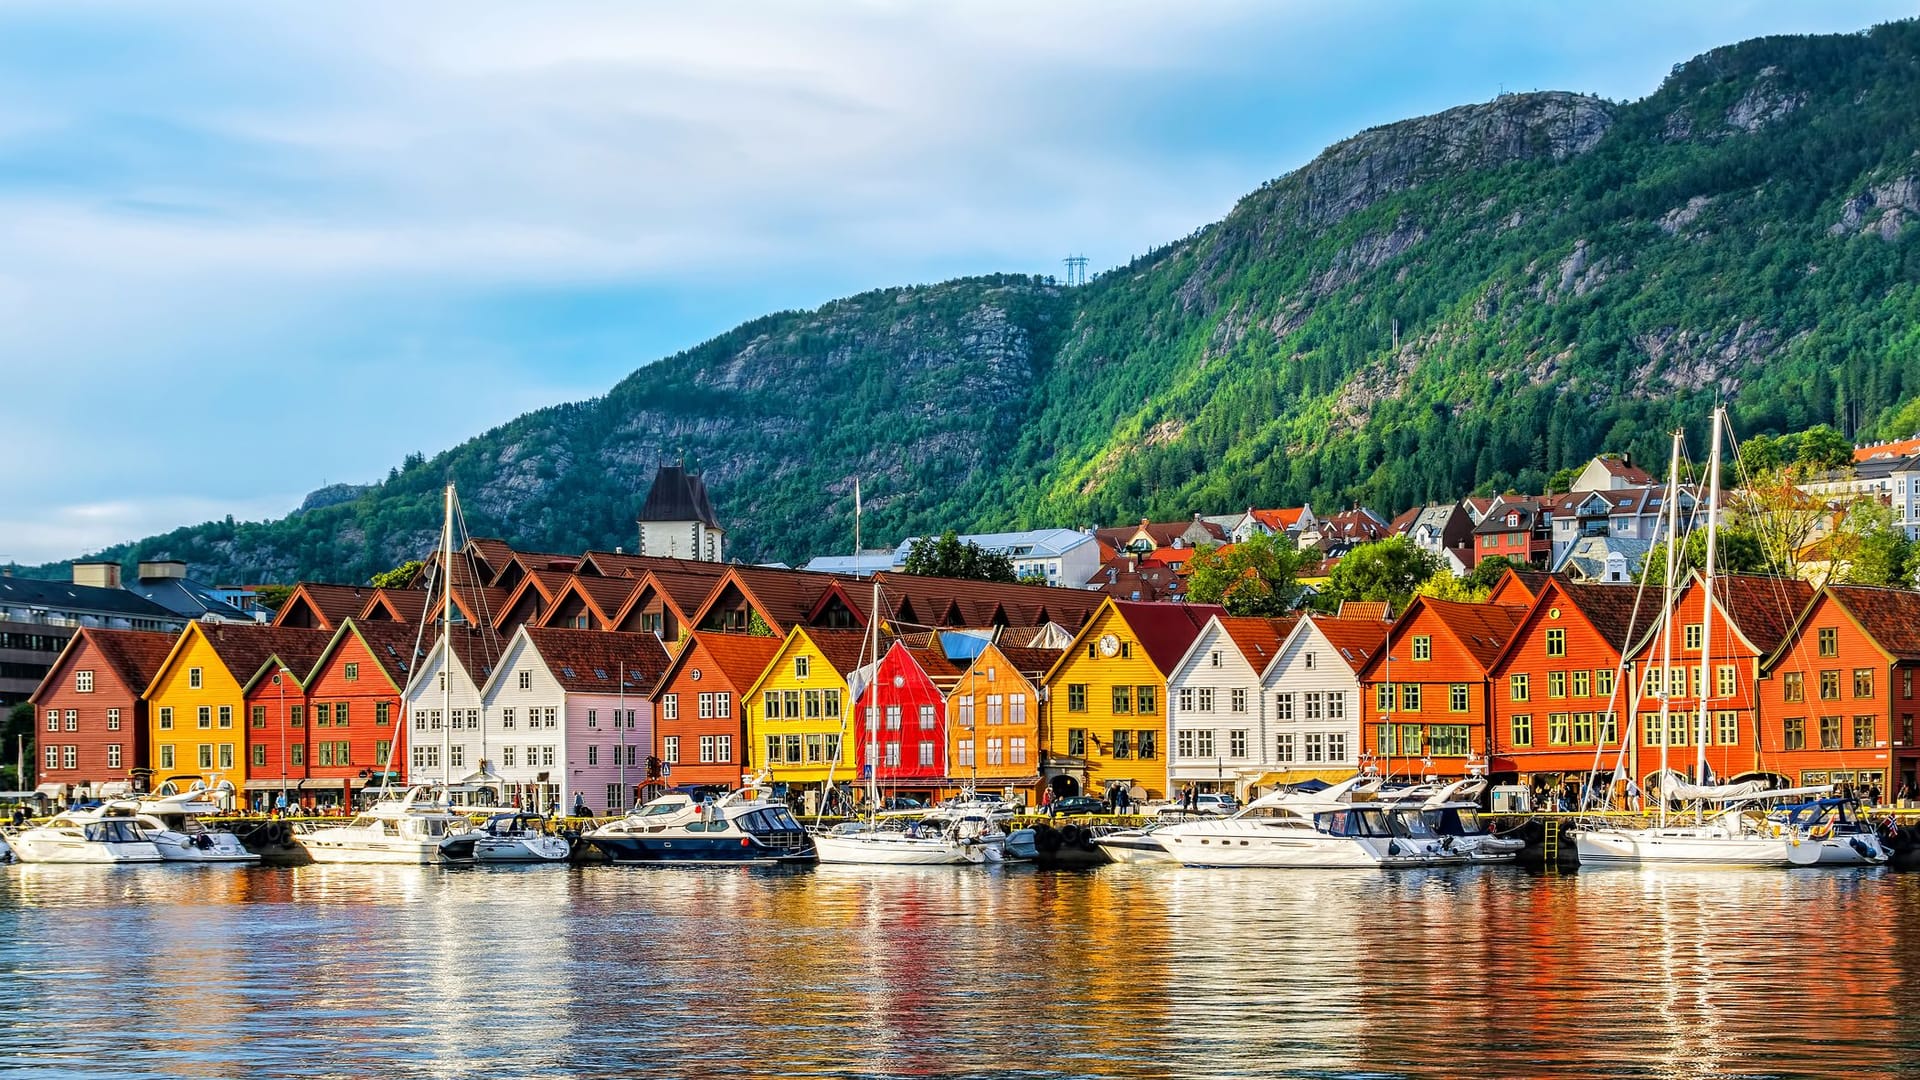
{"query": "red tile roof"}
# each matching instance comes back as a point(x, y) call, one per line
point(134, 655)
point(1763, 608)
point(405, 605)
point(245, 648)
point(1279, 520)
point(1033, 663)
point(1896, 448)
point(1891, 617)
point(331, 604)
point(740, 657)
point(1482, 629)
point(1378, 610)
point(1166, 631)
point(1257, 639)
point(592, 661)
point(1356, 639)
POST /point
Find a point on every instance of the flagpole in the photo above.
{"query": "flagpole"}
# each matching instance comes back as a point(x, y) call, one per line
point(856, 523)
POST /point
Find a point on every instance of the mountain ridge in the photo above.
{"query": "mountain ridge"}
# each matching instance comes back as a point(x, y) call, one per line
point(1458, 302)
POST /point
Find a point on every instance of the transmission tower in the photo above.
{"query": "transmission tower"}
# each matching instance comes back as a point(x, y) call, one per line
point(1076, 269)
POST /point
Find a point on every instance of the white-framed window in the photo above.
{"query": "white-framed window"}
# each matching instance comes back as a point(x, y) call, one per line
point(963, 750)
point(457, 755)
point(706, 749)
point(1186, 699)
point(52, 756)
point(1238, 699)
point(1283, 707)
point(204, 716)
point(1336, 704)
point(593, 718)
point(506, 757)
point(53, 720)
point(546, 756)
point(1283, 747)
point(670, 706)
point(526, 680)
point(926, 715)
point(926, 751)
point(593, 754)
point(113, 719)
point(800, 666)
point(70, 757)
point(995, 754)
point(113, 755)
point(1205, 696)
point(166, 755)
point(1314, 711)
point(226, 716)
point(1336, 746)
point(1017, 709)
point(550, 716)
point(1237, 743)
point(73, 719)
point(966, 710)
point(893, 719)
point(723, 748)
point(193, 678)
point(1183, 744)
point(1203, 743)
point(893, 754)
point(670, 749)
point(1316, 747)
point(83, 682)
point(1017, 750)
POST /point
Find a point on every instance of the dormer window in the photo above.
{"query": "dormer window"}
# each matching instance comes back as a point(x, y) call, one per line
point(1513, 521)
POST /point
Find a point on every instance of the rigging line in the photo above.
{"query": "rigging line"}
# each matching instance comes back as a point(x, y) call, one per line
point(1627, 732)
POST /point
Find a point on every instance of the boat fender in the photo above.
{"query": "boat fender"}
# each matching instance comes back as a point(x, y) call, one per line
point(1393, 848)
point(1865, 849)
point(746, 842)
point(1069, 835)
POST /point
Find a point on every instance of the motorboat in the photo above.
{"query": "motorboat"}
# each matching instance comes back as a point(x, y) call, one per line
point(1310, 831)
point(170, 817)
point(1453, 811)
point(518, 838)
point(84, 836)
point(1135, 846)
point(915, 838)
point(1829, 832)
point(416, 828)
point(740, 826)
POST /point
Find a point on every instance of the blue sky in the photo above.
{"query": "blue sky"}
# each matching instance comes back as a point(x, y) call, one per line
point(251, 249)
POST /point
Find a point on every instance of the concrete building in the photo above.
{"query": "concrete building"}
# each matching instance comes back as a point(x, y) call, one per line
point(38, 618)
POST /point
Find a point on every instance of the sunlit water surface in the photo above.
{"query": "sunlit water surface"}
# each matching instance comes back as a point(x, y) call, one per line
point(837, 971)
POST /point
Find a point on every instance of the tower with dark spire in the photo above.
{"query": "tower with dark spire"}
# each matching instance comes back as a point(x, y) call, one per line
point(677, 520)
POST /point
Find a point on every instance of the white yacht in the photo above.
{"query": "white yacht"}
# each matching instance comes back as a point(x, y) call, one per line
point(170, 817)
point(84, 836)
point(1310, 831)
point(740, 826)
point(417, 828)
point(1135, 845)
point(1741, 825)
point(518, 838)
point(918, 838)
point(1453, 811)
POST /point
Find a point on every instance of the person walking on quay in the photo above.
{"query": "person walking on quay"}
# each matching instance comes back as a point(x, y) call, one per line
point(1633, 795)
point(580, 805)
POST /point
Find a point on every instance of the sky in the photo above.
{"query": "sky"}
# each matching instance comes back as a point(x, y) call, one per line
point(247, 250)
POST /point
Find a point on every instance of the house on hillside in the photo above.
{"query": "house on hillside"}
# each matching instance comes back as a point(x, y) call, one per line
point(677, 520)
point(1443, 529)
point(1609, 472)
point(1288, 522)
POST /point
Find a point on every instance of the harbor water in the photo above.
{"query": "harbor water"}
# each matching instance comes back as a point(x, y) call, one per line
point(862, 971)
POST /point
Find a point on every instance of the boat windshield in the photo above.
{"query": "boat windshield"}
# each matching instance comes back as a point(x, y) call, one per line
point(660, 809)
point(766, 821)
point(1352, 823)
point(113, 831)
point(1455, 821)
point(1412, 825)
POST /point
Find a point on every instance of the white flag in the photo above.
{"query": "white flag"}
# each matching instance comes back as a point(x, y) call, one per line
point(856, 495)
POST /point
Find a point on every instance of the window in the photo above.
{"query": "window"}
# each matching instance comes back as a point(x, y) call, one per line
point(1308, 660)
point(1556, 684)
point(670, 748)
point(83, 682)
point(1077, 742)
point(1522, 730)
point(1203, 743)
point(1906, 683)
point(801, 664)
point(1422, 647)
point(893, 718)
point(614, 798)
point(1691, 636)
point(1122, 744)
point(1186, 699)
point(322, 714)
point(113, 755)
point(1457, 697)
point(340, 716)
point(1183, 744)
point(1517, 688)
point(1237, 743)
point(166, 756)
point(1410, 697)
point(1863, 732)
point(1830, 733)
point(1336, 705)
point(1316, 744)
point(1017, 709)
point(297, 754)
point(1829, 641)
point(993, 753)
point(1582, 683)
point(964, 751)
point(1147, 700)
point(926, 715)
point(1676, 682)
point(1283, 707)
point(69, 757)
point(1793, 686)
point(670, 707)
point(1582, 728)
point(1654, 684)
point(706, 749)
point(206, 755)
point(113, 719)
point(1410, 739)
point(705, 703)
point(457, 755)
point(1383, 697)
point(1603, 682)
point(204, 716)
point(259, 716)
point(1122, 700)
point(73, 719)
point(1237, 699)
point(506, 757)
point(1017, 750)
point(1315, 702)
point(1558, 730)
point(892, 757)
point(1283, 748)
point(1336, 746)
point(1076, 698)
point(1450, 740)
point(166, 718)
point(1146, 744)
point(53, 719)
point(1206, 699)
point(593, 718)
point(723, 748)
point(526, 680)
point(1609, 728)
point(1830, 685)
point(194, 682)
point(1863, 682)
point(1557, 641)
point(351, 672)
point(1726, 727)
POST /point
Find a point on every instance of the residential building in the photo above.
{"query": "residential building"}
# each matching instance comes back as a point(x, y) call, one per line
point(902, 741)
point(1340, 533)
point(1169, 542)
point(1424, 707)
point(1288, 522)
point(446, 739)
point(1611, 472)
point(1516, 528)
point(91, 735)
point(351, 710)
point(1217, 732)
point(1106, 694)
point(1837, 701)
point(677, 520)
point(799, 713)
point(1312, 697)
point(1063, 557)
point(1891, 478)
point(699, 707)
point(1139, 578)
point(994, 729)
point(38, 618)
point(1443, 529)
point(1561, 692)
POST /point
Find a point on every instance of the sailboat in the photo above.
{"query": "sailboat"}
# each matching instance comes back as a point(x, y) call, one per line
point(419, 827)
point(1729, 825)
point(931, 839)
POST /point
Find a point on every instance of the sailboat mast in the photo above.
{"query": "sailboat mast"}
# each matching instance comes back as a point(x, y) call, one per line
point(873, 710)
point(446, 651)
point(1706, 602)
point(1666, 621)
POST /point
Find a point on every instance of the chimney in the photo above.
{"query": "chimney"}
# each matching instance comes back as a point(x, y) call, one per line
point(99, 575)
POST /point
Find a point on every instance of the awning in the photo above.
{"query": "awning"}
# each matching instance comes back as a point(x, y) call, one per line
point(50, 791)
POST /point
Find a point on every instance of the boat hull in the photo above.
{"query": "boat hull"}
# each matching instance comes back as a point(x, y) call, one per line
point(688, 849)
point(1228, 848)
point(218, 848)
point(1621, 847)
point(29, 849)
point(1135, 847)
point(1858, 849)
point(518, 849)
point(898, 849)
point(392, 851)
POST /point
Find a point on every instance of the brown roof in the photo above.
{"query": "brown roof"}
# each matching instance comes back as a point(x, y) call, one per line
point(843, 648)
point(495, 553)
point(334, 604)
point(1257, 639)
point(406, 605)
point(1033, 663)
point(1891, 617)
point(478, 648)
point(934, 662)
point(1482, 629)
point(980, 603)
point(1611, 610)
point(609, 595)
point(783, 597)
point(741, 657)
point(621, 564)
point(392, 645)
point(1763, 608)
point(1380, 610)
point(1356, 639)
point(1632, 474)
point(591, 661)
point(245, 648)
point(134, 655)
point(1166, 630)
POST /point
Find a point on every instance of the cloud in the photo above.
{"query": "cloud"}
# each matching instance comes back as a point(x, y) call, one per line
point(62, 531)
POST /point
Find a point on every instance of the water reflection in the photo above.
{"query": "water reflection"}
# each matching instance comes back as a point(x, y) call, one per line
point(346, 970)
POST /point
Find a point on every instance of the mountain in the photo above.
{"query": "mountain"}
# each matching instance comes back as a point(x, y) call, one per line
point(1466, 301)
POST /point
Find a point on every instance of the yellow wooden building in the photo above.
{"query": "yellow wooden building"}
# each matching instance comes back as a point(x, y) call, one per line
point(196, 721)
point(1106, 714)
point(800, 723)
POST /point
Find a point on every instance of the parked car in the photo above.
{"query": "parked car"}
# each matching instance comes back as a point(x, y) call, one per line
point(902, 802)
point(1215, 804)
point(1077, 804)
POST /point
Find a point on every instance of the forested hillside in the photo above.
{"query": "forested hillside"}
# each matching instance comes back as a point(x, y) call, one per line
point(1463, 302)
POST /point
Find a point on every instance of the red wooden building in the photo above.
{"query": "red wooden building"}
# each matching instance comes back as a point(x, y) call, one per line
point(92, 721)
point(1560, 696)
point(902, 741)
point(354, 694)
point(1423, 698)
point(272, 678)
point(700, 703)
point(1837, 700)
point(1751, 620)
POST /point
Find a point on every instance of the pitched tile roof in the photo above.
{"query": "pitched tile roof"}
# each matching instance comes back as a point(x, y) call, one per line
point(1764, 608)
point(1355, 639)
point(332, 604)
point(1482, 629)
point(1033, 663)
point(245, 648)
point(843, 648)
point(1166, 630)
point(1378, 610)
point(1279, 520)
point(1890, 616)
point(592, 661)
point(392, 645)
point(1615, 612)
point(980, 603)
point(741, 657)
point(783, 597)
point(134, 655)
point(1257, 639)
point(405, 605)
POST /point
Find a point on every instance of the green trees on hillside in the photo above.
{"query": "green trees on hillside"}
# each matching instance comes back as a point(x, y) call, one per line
point(1255, 577)
point(946, 556)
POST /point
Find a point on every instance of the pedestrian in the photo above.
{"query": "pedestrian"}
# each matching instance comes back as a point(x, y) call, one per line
point(1633, 794)
point(19, 814)
point(580, 805)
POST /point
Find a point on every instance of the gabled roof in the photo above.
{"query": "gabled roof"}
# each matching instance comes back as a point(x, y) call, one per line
point(1029, 662)
point(244, 649)
point(477, 649)
point(741, 658)
point(678, 495)
point(1375, 610)
point(540, 588)
point(1621, 469)
point(1258, 640)
point(603, 597)
point(324, 606)
point(979, 603)
point(1616, 612)
point(495, 553)
point(390, 644)
point(1356, 640)
point(625, 564)
point(933, 662)
point(1482, 630)
point(782, 597)
point(1518, 588)
point(594, 661)
point(397, 605)
point(1526, 511)
point(1898, 448)
point(134, 655)
point(1889, 617)
point(1166, 631)
point(1358, 524)
point(1279, 520)
point(1762, 609)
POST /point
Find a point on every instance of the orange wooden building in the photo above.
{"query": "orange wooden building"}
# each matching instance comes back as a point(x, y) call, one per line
point(1423, 698)
point(1559, 693)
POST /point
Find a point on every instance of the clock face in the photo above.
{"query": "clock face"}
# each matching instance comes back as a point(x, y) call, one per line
point(1109, 645)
